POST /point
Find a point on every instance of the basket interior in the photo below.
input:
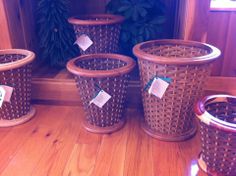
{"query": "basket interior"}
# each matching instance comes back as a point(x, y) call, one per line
point(174, 50)
point(8, 58)
point(225, 111)
point(100, 64)
point(94, 18)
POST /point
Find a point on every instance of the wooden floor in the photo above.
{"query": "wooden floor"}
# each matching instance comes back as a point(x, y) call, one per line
point(54, 143)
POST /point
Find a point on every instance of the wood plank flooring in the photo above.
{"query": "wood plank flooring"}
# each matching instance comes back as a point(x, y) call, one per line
point(54, 143)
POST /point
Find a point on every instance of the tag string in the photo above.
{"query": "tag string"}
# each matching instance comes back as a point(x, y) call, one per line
point(97, 86)
point(148, 84)
point(97, 92)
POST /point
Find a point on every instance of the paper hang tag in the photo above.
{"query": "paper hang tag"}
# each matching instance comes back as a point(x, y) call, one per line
point(9, 91)
point(84, 42)
point(158, 87)
point(2, 95)
point(101, 99)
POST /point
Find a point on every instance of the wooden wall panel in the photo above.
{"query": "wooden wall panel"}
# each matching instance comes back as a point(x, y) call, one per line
point(15, 23)
point(179, 24)
point(229, 63)
point(199, 23)
point(27, 13)
point(5, 40)
point(216, 35)
point(197, 29)
point(171, 10)
point(63, 91)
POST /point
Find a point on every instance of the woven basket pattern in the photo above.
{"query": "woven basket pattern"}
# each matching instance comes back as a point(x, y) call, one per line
point(173, 114)
point(105, 37)
point(179, 51)
point(218, 146)
point(112, 112)
point(20, 80)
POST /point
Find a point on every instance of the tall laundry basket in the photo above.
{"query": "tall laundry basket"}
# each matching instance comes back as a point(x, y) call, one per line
point(172, 74)
point(102, 81)
point(217, 116)
point(15, 82)
point(97, 33)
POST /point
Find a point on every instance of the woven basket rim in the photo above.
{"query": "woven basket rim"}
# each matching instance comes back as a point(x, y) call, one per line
point(114, 19)
point(71, 66)
point(140, 54)
point(29, 57)
point(207, 118)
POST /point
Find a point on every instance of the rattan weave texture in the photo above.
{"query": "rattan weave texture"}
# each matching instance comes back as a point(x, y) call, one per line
point(171, 118)
point(18, 77)
point(112, 113)
point(103, 30)
point(218, 140)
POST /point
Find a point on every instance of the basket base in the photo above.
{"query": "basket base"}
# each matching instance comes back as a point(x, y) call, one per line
point(204, 168)
point(169, 138)
point(20, 120)
point(104, 130)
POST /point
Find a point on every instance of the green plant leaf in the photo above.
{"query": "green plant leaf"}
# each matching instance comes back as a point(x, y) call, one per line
point(135, 13)
point(123, 8)
point(128, 13)
point(142, 11)
point(158, 20)
point(146, 5)
point(144, 20)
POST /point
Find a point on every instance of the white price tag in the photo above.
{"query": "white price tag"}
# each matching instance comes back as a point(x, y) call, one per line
point(2, 95)
point(84, 42)
point(9, 91)
point(158, 87)
point(101, 99)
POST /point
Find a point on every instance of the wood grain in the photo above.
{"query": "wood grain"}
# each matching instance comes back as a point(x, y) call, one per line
point(229, 66)
point(198, 22)
point(54, 143)
point(15, 24)
point(11, 143)
point(5, 33)
point(28, 24)
point(216, 20)
point(64, 92)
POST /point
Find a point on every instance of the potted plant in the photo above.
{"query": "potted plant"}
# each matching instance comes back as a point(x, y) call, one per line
point(55, 34)
point(143, 21)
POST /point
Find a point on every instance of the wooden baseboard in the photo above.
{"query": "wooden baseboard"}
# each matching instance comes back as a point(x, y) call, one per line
point(64, 91)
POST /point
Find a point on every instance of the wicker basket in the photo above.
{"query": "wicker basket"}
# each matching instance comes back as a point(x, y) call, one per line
point(102, 29)
point(187, 64)
point(108, 72)
point(15, 71)
point(217, 115)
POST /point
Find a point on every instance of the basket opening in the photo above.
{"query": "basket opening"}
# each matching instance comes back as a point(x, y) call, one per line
point(224, 111)
point(174, 50)
point(8, 58)
point(94, 18)
point(100, 64)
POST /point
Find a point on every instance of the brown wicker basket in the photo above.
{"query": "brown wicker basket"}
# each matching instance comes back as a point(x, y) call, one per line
point(15, 71)
point(102, 29)
point(108, 72)
point(187, 64)
point(217, 115)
